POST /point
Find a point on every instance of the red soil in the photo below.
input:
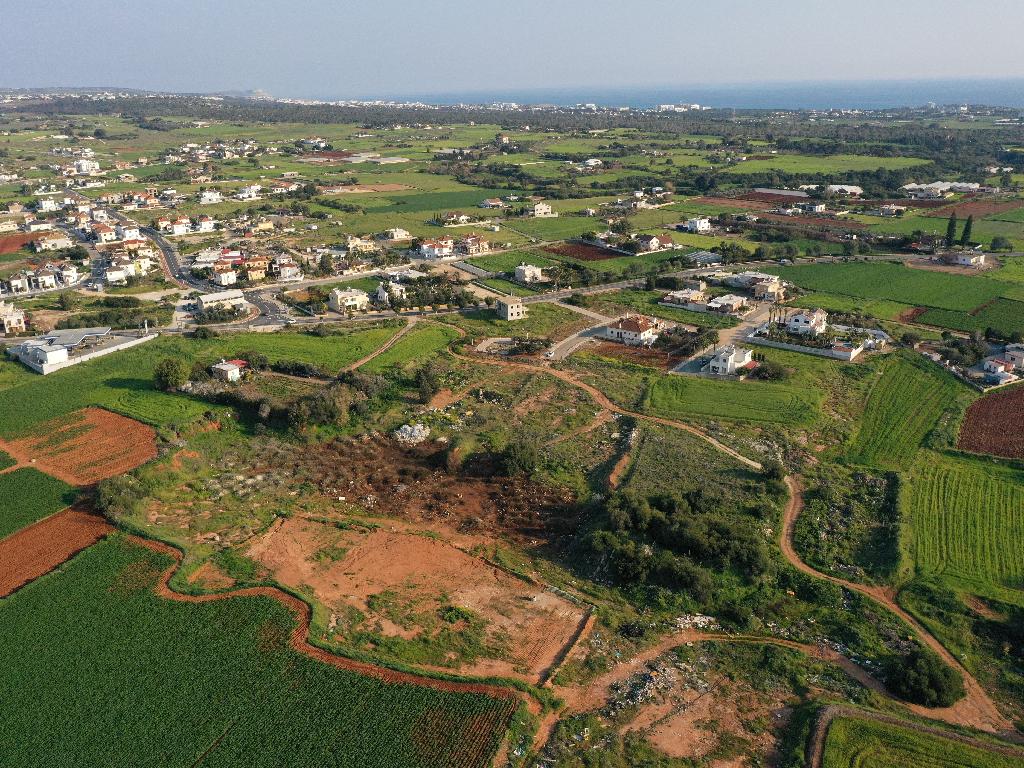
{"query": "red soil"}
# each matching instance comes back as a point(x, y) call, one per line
point(39, 548)
point(742, 203)
point(582, 251)
point(88, 446)
point(13, 243)
point(976, 208)
point(986, 428)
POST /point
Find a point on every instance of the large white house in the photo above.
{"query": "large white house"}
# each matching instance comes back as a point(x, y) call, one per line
point(510, 308)
point(808, 323)
point(210, 197)
point(730, 360)
point(440, 248)
point(698, 224)
point(544, 211)
point(527, 273)
point(12, 319)
point(348, 299)
point(233, 299)
point(632, 330)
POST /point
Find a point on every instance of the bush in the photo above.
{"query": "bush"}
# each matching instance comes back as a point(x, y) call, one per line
point(520, 458)
point(170, 374)
point(921, 677)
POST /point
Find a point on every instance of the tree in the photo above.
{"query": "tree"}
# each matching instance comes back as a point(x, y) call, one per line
point(1001, 243)
point(951, 230)
point(170, 374)
point(68, 300)
point(520, 458)
point(965, 238)
point(921, 677)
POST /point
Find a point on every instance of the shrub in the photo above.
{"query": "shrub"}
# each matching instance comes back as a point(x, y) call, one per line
point(921, 677)
point(170, 374)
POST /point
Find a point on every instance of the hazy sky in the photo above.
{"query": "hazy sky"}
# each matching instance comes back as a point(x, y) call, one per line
point(363, 48)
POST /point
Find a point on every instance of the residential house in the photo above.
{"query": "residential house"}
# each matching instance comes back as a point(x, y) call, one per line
point(46, 205)
point(129, 232)
point(391, 289)
point(104, 233)
point(397, 234)
point(52, 241)
point(228, 370)
point(224, 275)
point(440, 248)
point(527, 273)
point(654, 242)
point(510, 308)
point(808, 323)
point(493, 202)
point(729, 304)
point(356, 244)
point(210, 197)
point(687, 298)
point(12, 319)
point(38, 225)
point(1014, 353)
point(205, 224)
point(86, 167)
point(699, 224)
point(285, 269)
point(18, 282)
point(43, 279)
point(730, 360)
point(350, 299)
point(543, 211)
point(456, 218)
point(474, 245)
point(632, 330)
point(964, 258)
point(256, 268)
point(249, 192)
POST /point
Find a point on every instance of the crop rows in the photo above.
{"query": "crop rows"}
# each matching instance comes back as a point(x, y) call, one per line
point(904, 405)
point(165, 682)
point(1005, 315)
point(679, 397)
point(27, 495)
point(967, 519)
point(984, 429)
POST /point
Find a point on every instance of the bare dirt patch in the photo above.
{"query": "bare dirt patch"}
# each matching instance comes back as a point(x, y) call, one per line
point(815, 221)
point(354, 566)
point(910, 315)
point(582, 251)
point(211, 578)
point(976, 208)
point(14, 243)
point(953, 269)
point(984, 429)
point(39, 548)
point(744, 203)
point(653, 358)
point(85, 447)
point(355, 189)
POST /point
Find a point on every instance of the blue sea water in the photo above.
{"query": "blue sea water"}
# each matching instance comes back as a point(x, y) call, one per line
point(806, 95)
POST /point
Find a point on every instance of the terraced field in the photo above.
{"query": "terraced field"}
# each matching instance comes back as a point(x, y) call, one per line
point(965, 522)
point(903, 406)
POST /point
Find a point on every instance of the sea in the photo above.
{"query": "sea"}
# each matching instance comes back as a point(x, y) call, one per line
point(852, 94)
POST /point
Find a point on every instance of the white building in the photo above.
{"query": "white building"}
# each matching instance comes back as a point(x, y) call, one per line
point(86, 167)
point(391, 289)
point(210, 197)
point(437, 249)
point(632, 330)
point(228, 370)
point(52, 241)
point(544, 211)
point(249, 192)
point(12, 319)
point(698, 224)
point(729, 360)
point(510, 308)
point(233, 299)
point(527, 273)
point(808, 323)
point(350, 299)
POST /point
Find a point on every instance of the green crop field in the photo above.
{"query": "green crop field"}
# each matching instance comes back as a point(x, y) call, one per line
point(883, 309)
point(27, 495)
point(548, 320)
point(6, 461)
point(507, 262)
point(417, 346)
point(159, 682)
point(965, 521)
point(507, 287)
point(1004, 315)
point(123, 383)
point(856, 743)
point(897, 283)
point(904, 404)
point(686, 396)
point(625, 300)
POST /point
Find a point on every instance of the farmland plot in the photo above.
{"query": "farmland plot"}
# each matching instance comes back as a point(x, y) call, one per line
point(167, 683)
point(985, 425)
point(966, 520)
point(680, 397)
point(904, 405)
point(27, 495)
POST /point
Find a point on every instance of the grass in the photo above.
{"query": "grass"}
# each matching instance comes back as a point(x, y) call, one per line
point(883, 309)
point(508, 261)
point(898, 283)
point(6, 460)
point(904, 405)
point(964, 521)
point(547, 320)
point(685, 396)
point(507, 287)
point(28, 495)
point(416, 347)
point(122, 382)
point(631, 299)
point(823, 164)
point(174, 683)
point(853, 742)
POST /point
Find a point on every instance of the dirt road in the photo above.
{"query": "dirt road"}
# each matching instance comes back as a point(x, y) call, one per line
point(976, 709)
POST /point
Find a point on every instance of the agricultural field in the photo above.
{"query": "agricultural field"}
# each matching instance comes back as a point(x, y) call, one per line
point(823, 164)
point(986, 426)
point(864, 743)
point(614, 303)
point(882, 309)
point(416, 347)
point(230, 686)
point(545, 320)
point(905, 403)
point(963, 522)
point(1004, 315)
point(507, 262)
point(28, 495)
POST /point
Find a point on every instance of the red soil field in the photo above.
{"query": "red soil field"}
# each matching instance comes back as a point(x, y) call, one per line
point(987, 425)
point(582, 251)
point(88, 446)
point(39, 548)
point(815, 221)
point(769, 197)
point(13, 243)
point(976, 208)
point(741, 203)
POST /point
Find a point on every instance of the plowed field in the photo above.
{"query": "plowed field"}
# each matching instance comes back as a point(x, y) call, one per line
point(986, 427)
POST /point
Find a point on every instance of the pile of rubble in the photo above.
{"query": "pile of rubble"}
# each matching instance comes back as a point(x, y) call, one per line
point(412, 434)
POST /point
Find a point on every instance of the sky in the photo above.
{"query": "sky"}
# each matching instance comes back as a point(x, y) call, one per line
point(382, 48)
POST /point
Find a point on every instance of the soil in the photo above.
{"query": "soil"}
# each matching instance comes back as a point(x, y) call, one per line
point(638, 355)
point(985, 428)
point(39, 548)
point(85, 447)
point(741, 203)
point(211, 578)
point(427, 571)
point(582, 251)
point(910, 315)
point(14, 243)
point(976, 208)
point(815, 221)
point(952, 269)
